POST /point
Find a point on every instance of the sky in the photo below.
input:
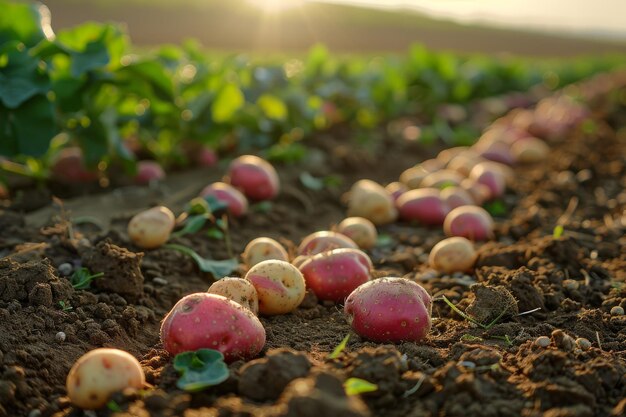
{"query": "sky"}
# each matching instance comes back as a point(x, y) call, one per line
point(601, 17)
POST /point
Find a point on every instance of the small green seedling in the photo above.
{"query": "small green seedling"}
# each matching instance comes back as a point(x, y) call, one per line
point(355, 386)
point(469, 338)
point(193, 224)
point(114, 406)
point(65, 306)
point(200, 369)
point(495, 208)
point(557, 232)
point(81, 278)
point(262, 207)
point(504, 338)
point(219, 269)
point(339, 348)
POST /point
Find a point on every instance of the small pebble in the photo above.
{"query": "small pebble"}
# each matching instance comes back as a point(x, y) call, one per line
point(583, 343)
point(542, 341)
point(570, 284)
point(35, 413)
point(617, 311)
point(65, 269)
point(159, 281)
point(467, 364)
point(60, 337)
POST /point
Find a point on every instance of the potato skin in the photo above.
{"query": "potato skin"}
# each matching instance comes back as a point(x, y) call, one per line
point(424, 205)
point(279, 284)
point(236, 202)
point(151, 228)
point(99, 373)
point(390, 310)
point(454, 254)
point(261, 249)
point(360, 230)
point(254, 176)
point(239, 290)
point(471, 222)
point(324, 240)
point(334, 274)
point(371, 200)
point(204, 320)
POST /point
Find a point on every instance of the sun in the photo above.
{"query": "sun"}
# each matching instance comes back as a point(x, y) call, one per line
point(275, 6)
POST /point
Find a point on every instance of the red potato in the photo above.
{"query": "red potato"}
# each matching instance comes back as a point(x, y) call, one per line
point(472, 222)
point(456, 196)
point(370, 200)
point(279, 284)
point(68, 166)
point(261, 249)
point(100, 373)
point(239, 290)
point(148, 171)
point(491, 175)
point(480, 192)
point(324, 240)
point(334, 274)
point(396, 189)
point(232, 197)
point(424, 205)
point(390, 310)
point(442, 178)
point(360, 230)
point(256, 178)
point(206, 157)
point(204, 320)
point(454, 254)
point(494, 149)
point(530, 150)
point(151, 228)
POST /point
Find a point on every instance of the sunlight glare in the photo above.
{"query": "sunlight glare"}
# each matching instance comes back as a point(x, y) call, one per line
point(275, 6)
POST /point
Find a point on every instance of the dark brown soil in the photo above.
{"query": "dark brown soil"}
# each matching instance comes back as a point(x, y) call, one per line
point(566, 285)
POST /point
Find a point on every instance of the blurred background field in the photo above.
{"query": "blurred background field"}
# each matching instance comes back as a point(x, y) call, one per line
point(295, 25)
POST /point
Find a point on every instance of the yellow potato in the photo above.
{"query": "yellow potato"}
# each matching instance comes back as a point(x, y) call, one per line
point(279, 284)
point(151, 228)
point(454, 254)
point(99, 373)
point(239, 290)
point(262, 249)
point(359, 229)
point(370, 200)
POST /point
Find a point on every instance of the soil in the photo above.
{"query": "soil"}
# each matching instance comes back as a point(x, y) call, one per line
point(562, 287)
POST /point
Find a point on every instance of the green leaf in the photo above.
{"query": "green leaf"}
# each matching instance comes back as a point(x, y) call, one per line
point(21, 77)
point(81, 278)
point(495, 207)
point(355, 386)
point(200, 369)
point(193, 224)
point(557, 232)
point(339, 348)
point(29, 129)
point(93, 57)
point(215, 204)
point(311, 182)
point(273, 107)
point(228, 101)
point(219, 269)
point(28, 23)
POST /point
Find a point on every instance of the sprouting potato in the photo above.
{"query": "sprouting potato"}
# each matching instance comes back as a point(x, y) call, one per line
point(151, 228)
point(99, 373)
point(262, 249)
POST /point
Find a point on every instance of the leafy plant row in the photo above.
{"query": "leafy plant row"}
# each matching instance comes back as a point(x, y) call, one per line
point(87, 86)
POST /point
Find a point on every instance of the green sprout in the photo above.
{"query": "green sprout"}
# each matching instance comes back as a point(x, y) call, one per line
point(81, 278)
point(355, 386)
point(339, 348)
point(65, 306)
point(557, 232)
point(200, 369)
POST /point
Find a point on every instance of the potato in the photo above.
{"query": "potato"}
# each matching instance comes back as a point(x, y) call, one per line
point(412, 177)
point(370, 200)
point(390, 310)
point(148, 171)
point(334, 274)
point(237, 289)
point(151, 228)
point(454, 254)
point(472, 222)
point(445, 156)
point(236, 202)
point(480, 193)
point(441, 178)
point(456, 196)
point(491, 175)
point(279, 284)
point(256, 177)
point(68, 167)
point(396, 189)
point(204, 320)
point(530, 150)
point(360, 230)
point(262, 249)
point(324, 240)
point(100, 373)
point(423, 205)
point(464, 162)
